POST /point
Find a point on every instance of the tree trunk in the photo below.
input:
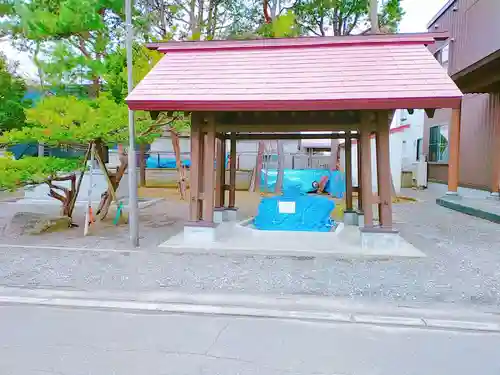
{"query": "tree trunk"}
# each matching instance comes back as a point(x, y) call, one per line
point(258, 165)
point(374, 16)
point(181, 179)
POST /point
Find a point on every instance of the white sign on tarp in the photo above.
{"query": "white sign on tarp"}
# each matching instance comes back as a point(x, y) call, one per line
point(286, 207)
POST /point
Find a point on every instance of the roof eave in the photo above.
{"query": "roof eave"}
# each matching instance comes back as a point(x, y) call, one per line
point(296, 105)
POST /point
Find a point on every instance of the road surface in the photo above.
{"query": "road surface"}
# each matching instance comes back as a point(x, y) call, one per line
point(39, 340)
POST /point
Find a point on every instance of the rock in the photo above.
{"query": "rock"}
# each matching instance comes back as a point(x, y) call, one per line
point(36, 223)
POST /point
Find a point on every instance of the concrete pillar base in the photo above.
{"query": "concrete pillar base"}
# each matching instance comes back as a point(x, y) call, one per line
point(377, 237)
point(452, 193)
point(494, 195)
point(350, 218)
point(361, 219)
point(220, 215)
point(231, 214)
point(200, 232)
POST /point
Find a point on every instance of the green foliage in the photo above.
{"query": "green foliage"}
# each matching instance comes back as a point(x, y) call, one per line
point(116, 69)
point(72, 121)
point(12, 91)
point(283, 26)
point(74, 36)
point(32, 170)
point(343, 17)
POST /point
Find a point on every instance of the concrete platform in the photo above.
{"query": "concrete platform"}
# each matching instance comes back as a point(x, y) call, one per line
point(485, 208)
point(238, 238)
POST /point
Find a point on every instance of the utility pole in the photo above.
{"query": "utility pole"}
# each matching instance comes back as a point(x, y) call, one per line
point(133, 219)
point(374, 16)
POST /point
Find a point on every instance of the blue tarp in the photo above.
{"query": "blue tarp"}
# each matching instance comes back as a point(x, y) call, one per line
point(292, 212)
point(303, 179)
point(155, 162)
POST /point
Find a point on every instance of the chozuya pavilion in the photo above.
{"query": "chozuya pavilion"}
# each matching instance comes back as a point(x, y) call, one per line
point(277, 88)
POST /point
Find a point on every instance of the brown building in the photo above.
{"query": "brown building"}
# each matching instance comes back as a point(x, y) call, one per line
point(472, 57)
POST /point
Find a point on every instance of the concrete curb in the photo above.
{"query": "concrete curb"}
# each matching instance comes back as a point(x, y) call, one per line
point(253, 307)
point(454, 204)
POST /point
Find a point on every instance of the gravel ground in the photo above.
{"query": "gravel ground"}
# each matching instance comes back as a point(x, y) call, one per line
point(461, 267)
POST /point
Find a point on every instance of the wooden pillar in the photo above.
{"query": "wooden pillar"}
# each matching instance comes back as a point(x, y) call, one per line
point(220, 174)
point(208, 171)
point(348, 172)
point(232, 172)
point(494, 105)
point(366, 168)
point(384, 170)
point(195, 169)
point(454, 151)
point(360, 180)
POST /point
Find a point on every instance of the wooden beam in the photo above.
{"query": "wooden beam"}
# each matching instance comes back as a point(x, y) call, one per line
point(301, 118)
point(208, 171)
point(232, 172)
point(360, 180)
point(194, 170)
point(384, 179)
point(220, 172)
point(348, 173)
point(366, 169)
point(283, 128)
point(290, 136)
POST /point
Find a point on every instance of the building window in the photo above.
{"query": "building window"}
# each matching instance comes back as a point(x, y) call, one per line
point(420, 143)
point(443, 55)
point(438, 144)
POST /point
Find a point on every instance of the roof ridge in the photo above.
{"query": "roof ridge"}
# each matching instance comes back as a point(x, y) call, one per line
point(300, 42)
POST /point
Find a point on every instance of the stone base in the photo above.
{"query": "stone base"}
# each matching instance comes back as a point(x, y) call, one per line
point(452, 194)
point(361, 219)
point(377, 238)
point(220, 215)
point(350, 218)
point(232, 214)
point(200, 232)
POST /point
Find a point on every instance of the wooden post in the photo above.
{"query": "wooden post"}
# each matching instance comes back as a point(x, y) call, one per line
point(232, 172)
point(360, 180)
point(454, 151)
point(384, 179)
point(366, 171)
point(195, 169)
point(208, 172)
point(495, 165)
point(220, 173)
point(348, 172)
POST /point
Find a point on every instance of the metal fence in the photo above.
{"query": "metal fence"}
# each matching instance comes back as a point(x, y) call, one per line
point(247, 160)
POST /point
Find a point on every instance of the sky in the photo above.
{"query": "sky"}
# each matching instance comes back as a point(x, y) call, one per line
point(417, 14)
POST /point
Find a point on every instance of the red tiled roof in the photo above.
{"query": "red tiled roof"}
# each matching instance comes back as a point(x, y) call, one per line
point(374, 72)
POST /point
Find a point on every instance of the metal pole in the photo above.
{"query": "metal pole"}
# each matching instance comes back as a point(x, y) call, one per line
point(132, 167)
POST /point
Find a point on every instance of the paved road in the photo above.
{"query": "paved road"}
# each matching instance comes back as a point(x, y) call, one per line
point(41, 340)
